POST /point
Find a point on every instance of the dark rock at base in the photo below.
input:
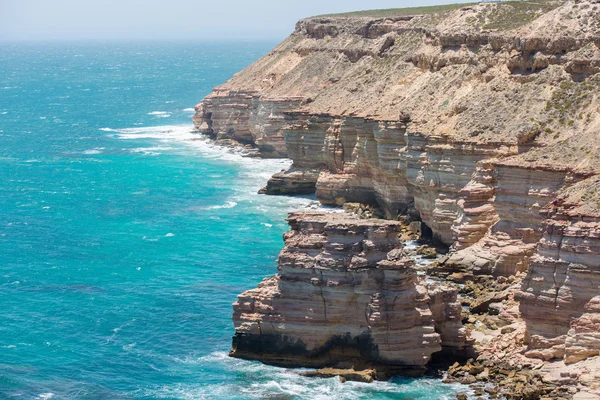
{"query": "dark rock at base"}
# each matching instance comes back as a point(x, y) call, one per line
point(482, 304)
point(293, 181)
point(366, 376)
point(427, 252)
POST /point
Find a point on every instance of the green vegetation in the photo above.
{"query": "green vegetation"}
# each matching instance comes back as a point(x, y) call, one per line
point(508, 14)
point(568, 98)
point(401, 12)
point(518, 13)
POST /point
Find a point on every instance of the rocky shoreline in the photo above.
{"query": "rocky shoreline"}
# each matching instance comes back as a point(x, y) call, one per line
point(473, 128)
point(347, 295)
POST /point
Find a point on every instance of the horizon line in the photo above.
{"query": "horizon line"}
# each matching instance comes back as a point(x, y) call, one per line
point(142, 40)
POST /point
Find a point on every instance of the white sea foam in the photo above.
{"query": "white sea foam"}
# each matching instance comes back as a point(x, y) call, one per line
point(160, 114)
point(176, 133)
point(229, 204)
point(253, 172)
point(189, 110)
point(262, 381)
point(94, 151)
point(217, 356)
point(411, 245)
point(45, 396)
point(128, 347)
point(151, 151)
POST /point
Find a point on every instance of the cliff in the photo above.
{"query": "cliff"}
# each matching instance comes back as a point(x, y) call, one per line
point(481, 121)
point(346, 294)
point(559, 299)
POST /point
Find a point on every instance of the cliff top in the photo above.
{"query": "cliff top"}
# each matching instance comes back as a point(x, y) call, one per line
point(518, 76)
point(338, 219)
point(400, 12)
point(504, 14)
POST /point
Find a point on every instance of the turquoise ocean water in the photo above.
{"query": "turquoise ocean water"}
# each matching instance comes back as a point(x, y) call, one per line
point(124, 239)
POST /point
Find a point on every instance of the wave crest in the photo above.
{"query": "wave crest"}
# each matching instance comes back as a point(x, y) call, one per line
point(160, 114)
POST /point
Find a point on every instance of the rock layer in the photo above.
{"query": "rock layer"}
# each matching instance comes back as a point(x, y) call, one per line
point(479, 121)
point(346, 293)
point(559, 299)
point(400, 110)
point(239, 116)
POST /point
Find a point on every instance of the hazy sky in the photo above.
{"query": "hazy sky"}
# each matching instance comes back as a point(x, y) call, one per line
point(170, 19)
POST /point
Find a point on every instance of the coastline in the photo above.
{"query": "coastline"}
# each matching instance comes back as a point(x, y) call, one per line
point(121, 257)
point(239, 156)
point(421, 116)
point(418, 251)
point(476, 376)
point(443, 370)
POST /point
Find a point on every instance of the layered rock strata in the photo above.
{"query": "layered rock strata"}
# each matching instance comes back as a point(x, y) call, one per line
point(399, 110)
point(346, 293)
point(240, 116)
point(506, 247)
point(480, 121)
point(560, 300)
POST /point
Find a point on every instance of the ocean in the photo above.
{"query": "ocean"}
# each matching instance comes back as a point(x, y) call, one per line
point(125, 237)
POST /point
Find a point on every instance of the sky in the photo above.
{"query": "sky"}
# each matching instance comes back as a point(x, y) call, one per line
point(48, 20)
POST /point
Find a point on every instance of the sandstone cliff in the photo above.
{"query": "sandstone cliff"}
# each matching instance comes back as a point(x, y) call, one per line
point(482, 121)
point(346, 294)
point(401, 110)
point(560, 300)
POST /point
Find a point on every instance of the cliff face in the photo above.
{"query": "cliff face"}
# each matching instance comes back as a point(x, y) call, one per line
point(346, 293)
point(474, 120)
point(400, 110)
point(559, 299)
point(242, 116)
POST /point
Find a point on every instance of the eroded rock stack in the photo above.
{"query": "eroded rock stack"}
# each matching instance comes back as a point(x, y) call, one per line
point(346, 293)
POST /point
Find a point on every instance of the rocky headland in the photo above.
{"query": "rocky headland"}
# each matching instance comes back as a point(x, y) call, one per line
point(475, 125)
point(347, 294)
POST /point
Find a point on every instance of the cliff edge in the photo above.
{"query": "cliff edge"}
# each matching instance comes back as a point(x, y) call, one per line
point(347, 294)
point(481, 121)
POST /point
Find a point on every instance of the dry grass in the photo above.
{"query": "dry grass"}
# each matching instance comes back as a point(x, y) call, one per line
point(513, 14)
point(402, 12)
point(508, 14)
